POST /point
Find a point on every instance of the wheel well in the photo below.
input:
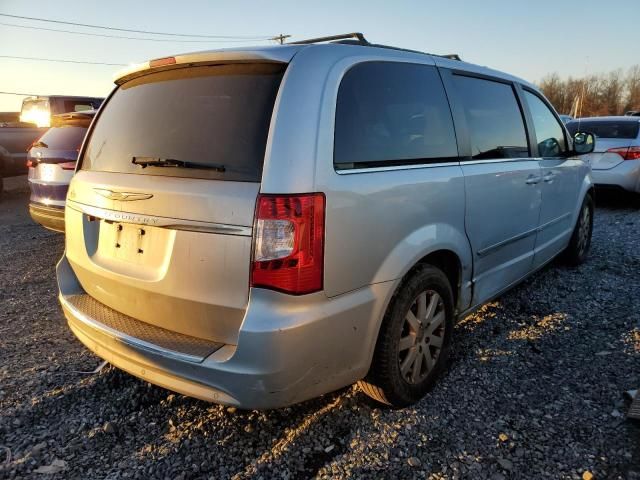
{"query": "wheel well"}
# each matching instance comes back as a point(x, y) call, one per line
point(449, 263)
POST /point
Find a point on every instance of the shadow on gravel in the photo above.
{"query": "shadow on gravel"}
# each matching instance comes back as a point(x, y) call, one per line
point(616, 199)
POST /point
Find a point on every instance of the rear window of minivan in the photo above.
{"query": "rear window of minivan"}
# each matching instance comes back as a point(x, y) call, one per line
point(606, 128)
point(212, 115)
point(67, 137)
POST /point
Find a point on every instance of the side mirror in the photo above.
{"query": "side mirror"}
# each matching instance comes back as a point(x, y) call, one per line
point(583, 142)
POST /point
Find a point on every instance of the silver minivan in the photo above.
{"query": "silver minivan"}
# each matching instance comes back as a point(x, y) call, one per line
point(256, 227)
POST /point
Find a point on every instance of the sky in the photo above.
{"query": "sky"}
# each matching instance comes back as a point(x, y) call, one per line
point(529, 39)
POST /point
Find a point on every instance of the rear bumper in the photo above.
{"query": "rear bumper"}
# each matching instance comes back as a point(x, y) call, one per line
point(625, 175)
point(289, 348)
point(49, 217)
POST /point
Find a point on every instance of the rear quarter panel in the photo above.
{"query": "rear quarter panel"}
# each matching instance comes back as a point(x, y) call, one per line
point(378, 223)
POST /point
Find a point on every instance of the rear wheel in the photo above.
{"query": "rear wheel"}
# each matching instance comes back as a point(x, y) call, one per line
point(414, 340)
point(578, 248)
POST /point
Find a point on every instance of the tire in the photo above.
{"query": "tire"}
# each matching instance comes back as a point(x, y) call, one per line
point(578, 248)
point(410, 354)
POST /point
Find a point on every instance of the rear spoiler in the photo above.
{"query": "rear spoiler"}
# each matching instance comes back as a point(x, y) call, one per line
point(279, 54)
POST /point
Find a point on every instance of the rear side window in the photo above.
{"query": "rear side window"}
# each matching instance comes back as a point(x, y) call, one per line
point(606, 129)
point(549, 133)
point(493, 117)
point(391, 113)
point(70, 106)
point(64, 138)
point(210, 115)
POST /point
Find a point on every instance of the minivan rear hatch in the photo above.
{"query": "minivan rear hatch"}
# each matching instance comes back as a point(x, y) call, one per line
point(159, 216)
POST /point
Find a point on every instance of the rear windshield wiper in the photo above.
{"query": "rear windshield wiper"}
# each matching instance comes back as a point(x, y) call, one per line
point(39, 144)
point(172, 162)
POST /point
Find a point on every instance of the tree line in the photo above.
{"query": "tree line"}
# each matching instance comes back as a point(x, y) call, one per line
point(612, 93)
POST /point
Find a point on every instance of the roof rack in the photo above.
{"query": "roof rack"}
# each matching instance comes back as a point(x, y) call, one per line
point(357, 38)
point(344, 36)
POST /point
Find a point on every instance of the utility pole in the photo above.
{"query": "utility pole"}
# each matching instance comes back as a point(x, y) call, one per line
point(280, 38)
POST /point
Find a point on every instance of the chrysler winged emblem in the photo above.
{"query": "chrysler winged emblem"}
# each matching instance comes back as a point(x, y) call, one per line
point(122, 196)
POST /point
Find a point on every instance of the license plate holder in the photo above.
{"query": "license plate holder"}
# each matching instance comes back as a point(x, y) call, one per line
point(125, 241)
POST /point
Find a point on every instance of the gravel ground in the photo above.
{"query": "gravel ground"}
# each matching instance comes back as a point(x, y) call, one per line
point(535, 388)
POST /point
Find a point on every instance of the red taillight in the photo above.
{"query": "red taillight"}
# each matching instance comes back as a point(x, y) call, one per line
point(289, 243)
point(30, 164)
point(68, 165)
point(160, 62)
point(627, 153)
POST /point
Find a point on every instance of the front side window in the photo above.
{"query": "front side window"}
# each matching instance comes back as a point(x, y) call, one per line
point(494, 119)
point(549, 133)
point(390, 113)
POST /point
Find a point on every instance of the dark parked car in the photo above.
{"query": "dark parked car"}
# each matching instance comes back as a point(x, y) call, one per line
point(40, 110)
point(52, 162)
point(15, 138)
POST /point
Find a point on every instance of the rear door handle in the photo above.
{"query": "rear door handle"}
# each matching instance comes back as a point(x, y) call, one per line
point(549, 177)
point(533, 179)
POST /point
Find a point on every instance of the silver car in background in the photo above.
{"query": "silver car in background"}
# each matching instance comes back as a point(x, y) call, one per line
point(52, 161)
point(260, 226)
point(615, 161)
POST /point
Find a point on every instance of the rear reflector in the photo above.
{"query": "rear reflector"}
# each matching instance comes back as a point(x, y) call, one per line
point(68, 165)
point(289, 243)
point(627, 153)
point(159, 62)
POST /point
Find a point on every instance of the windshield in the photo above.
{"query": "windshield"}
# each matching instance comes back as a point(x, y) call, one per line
point(606, 129)
point(217, 115)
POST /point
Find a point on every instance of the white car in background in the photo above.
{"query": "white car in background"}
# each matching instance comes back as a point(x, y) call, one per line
point(615, 161)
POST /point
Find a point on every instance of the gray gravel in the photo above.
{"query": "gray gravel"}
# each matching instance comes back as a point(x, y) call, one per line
point(535, 389)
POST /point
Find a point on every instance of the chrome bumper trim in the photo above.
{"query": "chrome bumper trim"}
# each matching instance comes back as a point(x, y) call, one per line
point(162, 222)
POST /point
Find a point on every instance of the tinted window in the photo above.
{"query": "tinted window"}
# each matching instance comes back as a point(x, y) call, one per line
point(494, 118)
point(79, 105)
point(216, 115)
point(549, 133)
point(64, 138)
point(606, 128)
point(390, 113)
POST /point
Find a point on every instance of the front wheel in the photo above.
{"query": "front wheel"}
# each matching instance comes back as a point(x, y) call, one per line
point(578, 248)
point(414, 339)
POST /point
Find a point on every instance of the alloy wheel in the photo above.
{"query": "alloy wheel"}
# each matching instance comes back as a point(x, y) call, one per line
point(422, 337)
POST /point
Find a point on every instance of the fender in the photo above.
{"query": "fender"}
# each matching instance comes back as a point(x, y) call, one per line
point(422, 242)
